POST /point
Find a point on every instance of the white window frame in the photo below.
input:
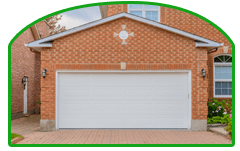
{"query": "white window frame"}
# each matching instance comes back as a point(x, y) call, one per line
point(220, 80)
point(144, 11)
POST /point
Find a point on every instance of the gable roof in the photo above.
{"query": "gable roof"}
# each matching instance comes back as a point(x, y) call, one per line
point(47, 41)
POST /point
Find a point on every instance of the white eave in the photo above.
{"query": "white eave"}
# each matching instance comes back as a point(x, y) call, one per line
point(200, 41)
point(38, 45)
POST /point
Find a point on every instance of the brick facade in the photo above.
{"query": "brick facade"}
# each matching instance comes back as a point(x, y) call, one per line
point(150, 48)
point(187, 22)
point(116, 9)
point(25, 62)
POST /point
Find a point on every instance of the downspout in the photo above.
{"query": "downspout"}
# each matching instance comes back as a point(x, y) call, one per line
point(34, 51)
point(212, 50)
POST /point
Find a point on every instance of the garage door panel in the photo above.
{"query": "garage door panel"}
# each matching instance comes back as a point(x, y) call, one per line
point(164, 122)
point(68, 93)
point(171, 108)
point(146, 100)
point(120, 122)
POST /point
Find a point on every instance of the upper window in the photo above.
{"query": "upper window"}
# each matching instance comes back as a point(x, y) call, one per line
point(223, 76)
point(151, 12)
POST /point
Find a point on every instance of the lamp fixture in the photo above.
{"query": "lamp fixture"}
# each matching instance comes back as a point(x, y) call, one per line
point(24, 81)
point(44, 73)
point(203, 73)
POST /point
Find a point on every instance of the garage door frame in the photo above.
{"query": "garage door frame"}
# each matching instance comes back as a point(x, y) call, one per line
point(122, 71)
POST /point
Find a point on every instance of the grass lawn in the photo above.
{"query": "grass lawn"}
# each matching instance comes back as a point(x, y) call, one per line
point(13, 135)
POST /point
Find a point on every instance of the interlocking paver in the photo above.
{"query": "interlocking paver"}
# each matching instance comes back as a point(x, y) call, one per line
point(115, 137)
point(29, 127)
point(107, 137)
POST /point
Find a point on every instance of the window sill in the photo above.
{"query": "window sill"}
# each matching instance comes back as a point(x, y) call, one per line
point(223, 96)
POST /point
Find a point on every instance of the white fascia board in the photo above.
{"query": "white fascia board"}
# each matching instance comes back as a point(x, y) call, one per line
point(40, 42)
point(38, 45)
point(200, 44)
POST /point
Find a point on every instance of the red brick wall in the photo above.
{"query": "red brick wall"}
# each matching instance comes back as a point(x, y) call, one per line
point(116, 9)
point(24, 63)
point(192, 24)
point(189, 23)
point(150, 48)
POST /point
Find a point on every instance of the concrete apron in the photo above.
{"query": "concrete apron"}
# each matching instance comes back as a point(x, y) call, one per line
point(196, 125)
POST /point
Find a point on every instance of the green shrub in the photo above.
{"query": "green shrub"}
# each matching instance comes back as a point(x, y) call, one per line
point(218, 119)
point(216, 108)
point(13, 135)
point(229, 128)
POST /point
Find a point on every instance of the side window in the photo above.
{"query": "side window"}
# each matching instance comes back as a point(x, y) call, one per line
point(223, 76)
point(151, 12)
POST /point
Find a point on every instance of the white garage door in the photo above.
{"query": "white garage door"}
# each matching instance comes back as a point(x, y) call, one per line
point(123, 100)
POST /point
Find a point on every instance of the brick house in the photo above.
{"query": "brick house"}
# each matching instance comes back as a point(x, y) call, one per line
point(140, 66)
point(26, 63)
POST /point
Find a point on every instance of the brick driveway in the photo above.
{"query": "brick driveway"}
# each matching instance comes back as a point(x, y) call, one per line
point(29, 128)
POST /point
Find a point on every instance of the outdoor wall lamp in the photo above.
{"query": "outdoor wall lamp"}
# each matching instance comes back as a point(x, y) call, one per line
point(24, 81)
point(203, 73)
point(44, 73)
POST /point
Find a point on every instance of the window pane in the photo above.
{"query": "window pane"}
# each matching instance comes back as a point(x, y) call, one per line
point(152, 15)
point(230, 85)
point(218, 85)
point(229, 72)
point(230, 60)
point(218, 72)
point(137, 13)
point(226, 58)
point(217, 60)
point(221, 58)
point(224, 73)
point(218, 92)
point(151, 7)
point(224, 85)
point(135, 6)
point(224, 91)
point(230, 91)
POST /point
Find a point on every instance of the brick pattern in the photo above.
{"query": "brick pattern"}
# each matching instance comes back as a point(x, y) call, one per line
point(24, 63)
point(116, 9)
point(29, 128)
point(192, 24)
point(150, 48)
point(124, 137)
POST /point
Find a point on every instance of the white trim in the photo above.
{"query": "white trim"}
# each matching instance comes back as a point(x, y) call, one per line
point(200, 44)
point(220, 80)
point(25, 103)
point(40, 42)
point(122, 71)
point(56, 102)
point(39, 45)
point(190, 97)
point(143, 10)
point(223, 64)
point(125, 71)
